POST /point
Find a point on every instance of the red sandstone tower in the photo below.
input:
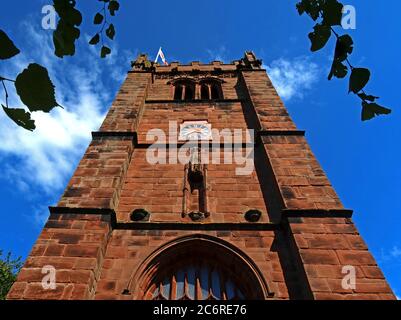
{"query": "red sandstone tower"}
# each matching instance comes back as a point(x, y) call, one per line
point(126, 228)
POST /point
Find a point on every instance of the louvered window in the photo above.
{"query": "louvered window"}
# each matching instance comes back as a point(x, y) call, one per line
point(196, 282)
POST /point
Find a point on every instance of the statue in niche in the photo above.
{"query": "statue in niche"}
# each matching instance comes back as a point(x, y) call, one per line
point(195, 187)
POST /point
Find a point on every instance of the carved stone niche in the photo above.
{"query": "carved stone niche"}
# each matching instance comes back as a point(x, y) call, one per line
point(194, 203)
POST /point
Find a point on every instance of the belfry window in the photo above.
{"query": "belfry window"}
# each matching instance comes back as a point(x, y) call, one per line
point(178, 92)
point(184, 90)
point(215, 89)
point(188, 90)
point(204, 91)
point(210, 90)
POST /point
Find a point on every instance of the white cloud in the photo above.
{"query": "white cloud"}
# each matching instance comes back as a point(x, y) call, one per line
point(219, 54)
point(390, 256)
point(395, 252)
point(292, 78)
point(84, 84)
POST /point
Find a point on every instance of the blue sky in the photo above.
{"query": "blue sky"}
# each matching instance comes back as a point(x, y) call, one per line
point(361, 159)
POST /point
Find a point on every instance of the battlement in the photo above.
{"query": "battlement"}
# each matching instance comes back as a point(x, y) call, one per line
point(249, 61)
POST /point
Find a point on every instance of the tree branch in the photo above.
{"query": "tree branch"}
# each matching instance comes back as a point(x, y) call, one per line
point(5, 90)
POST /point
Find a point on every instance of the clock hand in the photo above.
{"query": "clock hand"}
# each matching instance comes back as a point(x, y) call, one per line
point(193, 131)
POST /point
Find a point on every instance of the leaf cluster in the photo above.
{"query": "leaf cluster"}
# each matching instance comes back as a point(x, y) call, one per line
point(328, 14)
point(33, 84)
point(67, 30)
point(100, 18)
point(9, 269)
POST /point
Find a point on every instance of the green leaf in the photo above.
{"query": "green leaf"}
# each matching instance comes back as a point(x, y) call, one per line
point(344, 47)
point(64, 39)
point(311, 7)
point(319, 36)
point(371, 110)
point(66, 11)
point(98, 18)
point(358, 80)
point(8, 273)
point(66, 33)
point(35, 88)
point(7, 47)
point(113, 6)
point(95, 39)
point(105, 51)
point(366, 97)
point(332, 13)
point(338, 70)
point(110, 31)
point(20, 117)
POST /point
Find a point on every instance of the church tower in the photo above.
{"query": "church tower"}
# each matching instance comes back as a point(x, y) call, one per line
point(198, 185)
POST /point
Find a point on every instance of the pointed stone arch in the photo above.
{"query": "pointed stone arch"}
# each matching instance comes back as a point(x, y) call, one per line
point(189, 250)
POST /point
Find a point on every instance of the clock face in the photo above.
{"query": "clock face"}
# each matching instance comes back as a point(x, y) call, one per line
point(195, 130)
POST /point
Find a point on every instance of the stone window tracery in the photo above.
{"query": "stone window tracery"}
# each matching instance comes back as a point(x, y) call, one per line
point(197, 267)
point(196, 282)
point(205, 89)
point(184, 90)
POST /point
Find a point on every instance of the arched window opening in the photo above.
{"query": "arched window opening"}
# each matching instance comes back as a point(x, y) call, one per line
point(216, 91)
point(189, 92)
point(204, 91)
point(198, 267)
point(184, 90)
point(178, 92)
point(211, 90)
